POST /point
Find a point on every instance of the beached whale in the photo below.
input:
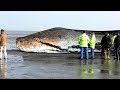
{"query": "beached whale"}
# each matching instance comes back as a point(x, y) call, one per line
point(53, 40)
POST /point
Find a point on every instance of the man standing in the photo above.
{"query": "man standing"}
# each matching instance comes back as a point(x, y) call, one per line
point(92, 44)
point(113, 48)
point(113, 38)
point(3, 41)
point(117, 46)
point(83, 41)
point(106, 44)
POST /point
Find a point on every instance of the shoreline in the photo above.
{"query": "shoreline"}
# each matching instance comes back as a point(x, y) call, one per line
point(38, 56)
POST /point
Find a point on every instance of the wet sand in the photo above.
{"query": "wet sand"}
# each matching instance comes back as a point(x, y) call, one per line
point(22, 65)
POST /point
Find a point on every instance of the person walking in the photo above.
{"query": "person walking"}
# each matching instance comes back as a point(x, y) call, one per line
point(106, 44)
point(83, 41)
point(3, 42)
point(92, 43)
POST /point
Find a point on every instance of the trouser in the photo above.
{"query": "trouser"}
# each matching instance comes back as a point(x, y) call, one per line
point(114, 51)
point(84, 49)
point(3, 50)
point(92, 53)
point(102, 51)
point(117, 52)
point(107, 53)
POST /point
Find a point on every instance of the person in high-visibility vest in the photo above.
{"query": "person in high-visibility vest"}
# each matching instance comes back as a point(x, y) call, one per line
point(113, 38)
point(83, 41)
point(113, 48)
point(92, 43)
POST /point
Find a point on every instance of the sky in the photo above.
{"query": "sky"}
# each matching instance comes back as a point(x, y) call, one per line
point(42, 20)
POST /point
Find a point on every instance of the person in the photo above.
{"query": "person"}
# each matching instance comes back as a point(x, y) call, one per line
point(106, 44)
point(117, 46)
point(92, 43)
point(3, 42)
point(113, 38)
point(83, 41)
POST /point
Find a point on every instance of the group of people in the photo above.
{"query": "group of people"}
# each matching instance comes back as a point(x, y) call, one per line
point(84, 41)
point(108, 43)
point(111, 43)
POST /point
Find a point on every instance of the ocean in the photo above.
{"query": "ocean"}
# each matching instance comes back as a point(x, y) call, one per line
point(12, 35)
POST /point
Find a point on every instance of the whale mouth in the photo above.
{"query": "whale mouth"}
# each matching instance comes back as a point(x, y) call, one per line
point(55, 46)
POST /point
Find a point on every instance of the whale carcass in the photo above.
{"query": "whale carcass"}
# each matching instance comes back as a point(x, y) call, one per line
point(51, 40)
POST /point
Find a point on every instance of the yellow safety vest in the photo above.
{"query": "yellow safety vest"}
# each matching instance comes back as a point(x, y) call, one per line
point(113, 38)
point(83, 40)
point(92, 41)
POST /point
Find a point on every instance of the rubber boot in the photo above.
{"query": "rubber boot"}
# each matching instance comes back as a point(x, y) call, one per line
point(108, 55)
point(105, 55)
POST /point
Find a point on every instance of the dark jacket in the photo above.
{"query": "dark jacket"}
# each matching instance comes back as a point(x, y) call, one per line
point(106, 42)
point(117, 41)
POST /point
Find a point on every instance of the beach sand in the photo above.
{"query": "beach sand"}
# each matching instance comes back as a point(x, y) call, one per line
point(22, 65)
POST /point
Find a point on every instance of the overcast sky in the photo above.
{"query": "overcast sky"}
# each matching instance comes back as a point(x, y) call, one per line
point(42, 20)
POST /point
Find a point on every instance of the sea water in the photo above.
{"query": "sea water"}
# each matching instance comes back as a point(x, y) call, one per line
point(12, 35)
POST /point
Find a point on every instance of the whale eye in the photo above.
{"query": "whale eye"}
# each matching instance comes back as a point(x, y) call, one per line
point(60, 36)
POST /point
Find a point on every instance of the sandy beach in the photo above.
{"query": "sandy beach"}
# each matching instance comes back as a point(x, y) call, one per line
point(22, 65)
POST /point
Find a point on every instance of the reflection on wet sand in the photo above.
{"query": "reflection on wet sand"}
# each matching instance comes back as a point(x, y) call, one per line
point(86, 69)
point(22, 65)
point(110, 67)
point(106, 66)
point(3, 69)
